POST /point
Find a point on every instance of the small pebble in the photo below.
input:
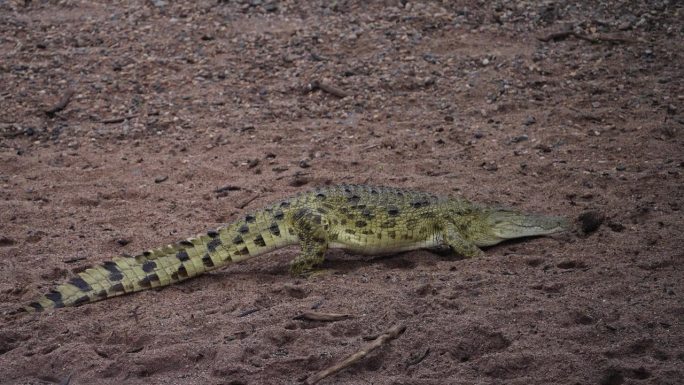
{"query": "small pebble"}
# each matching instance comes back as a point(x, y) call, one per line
point(490, 166)
point(615, 226)
point(160, 179)
point(123, 241)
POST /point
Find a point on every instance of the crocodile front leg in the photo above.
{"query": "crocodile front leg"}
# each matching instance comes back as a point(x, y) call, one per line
point(459, 244)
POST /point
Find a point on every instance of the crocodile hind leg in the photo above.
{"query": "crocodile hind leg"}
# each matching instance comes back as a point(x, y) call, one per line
point(459, 244)
point(312, 229)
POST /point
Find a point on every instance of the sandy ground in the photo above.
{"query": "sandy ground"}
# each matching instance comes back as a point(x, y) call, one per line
point(177, 117)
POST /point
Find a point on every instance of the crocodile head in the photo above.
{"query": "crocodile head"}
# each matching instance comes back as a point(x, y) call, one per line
point(502, 224)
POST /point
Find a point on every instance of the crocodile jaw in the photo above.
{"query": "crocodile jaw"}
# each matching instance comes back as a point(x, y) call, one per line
point(509, 224)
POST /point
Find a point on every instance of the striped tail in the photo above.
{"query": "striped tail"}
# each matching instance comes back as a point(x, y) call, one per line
point(169, 264)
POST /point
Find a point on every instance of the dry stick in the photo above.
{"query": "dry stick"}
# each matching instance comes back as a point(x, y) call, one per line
point(323, 317)
point(248, 312)
point(593, 39)
point(610, 39)
point(61, 104)
point(556, 36)
point(317, 85)
point(295, 175)
point(118, 119)
point(247, 201)
point(390, 334)
point(76, 259)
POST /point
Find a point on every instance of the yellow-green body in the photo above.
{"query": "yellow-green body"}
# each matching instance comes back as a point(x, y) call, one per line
point(362, 219)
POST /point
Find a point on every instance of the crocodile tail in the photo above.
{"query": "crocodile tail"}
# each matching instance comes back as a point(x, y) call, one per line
point(166, 265)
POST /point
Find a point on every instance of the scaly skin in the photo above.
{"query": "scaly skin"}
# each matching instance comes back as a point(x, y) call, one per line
point(363, 219)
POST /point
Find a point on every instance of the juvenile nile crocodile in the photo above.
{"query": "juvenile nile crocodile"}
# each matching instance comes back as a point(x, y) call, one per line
point(362, 219)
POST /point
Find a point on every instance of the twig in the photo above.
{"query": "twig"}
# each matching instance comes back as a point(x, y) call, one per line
point(118, 120)
point(295, 175)
point(556, 36)
point(247, 201)
point(223, 192)
point(392, 333)
point(61, 104)
point(317, 85)
point(248, 312)
point(593, 39)
point(75, 259)
point(323, 317)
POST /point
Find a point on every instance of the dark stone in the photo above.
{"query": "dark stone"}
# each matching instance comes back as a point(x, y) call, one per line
point(123, 241)
point(591, 221)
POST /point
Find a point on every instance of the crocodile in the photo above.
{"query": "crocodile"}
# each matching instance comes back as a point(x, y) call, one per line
point(358, 218)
